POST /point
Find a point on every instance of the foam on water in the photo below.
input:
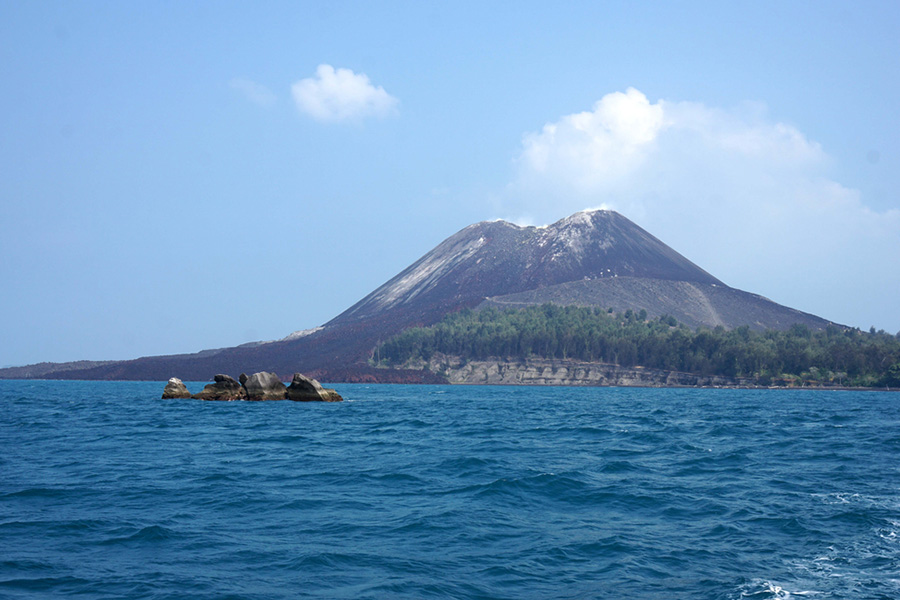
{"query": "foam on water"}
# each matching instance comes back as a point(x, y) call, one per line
point(766, 590)
point(449, 492)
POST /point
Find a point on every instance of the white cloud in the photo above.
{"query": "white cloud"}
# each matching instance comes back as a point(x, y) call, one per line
point(340, 94)
point(594, 149)
point(748, 199)
point(254, 92)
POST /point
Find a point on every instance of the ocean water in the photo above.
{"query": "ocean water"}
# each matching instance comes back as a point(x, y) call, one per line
point(107, 491)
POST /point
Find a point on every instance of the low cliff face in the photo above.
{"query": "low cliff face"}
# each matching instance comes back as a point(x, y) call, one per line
point(541, 371)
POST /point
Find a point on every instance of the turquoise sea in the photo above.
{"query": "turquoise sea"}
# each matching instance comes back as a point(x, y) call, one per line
point(107, 491)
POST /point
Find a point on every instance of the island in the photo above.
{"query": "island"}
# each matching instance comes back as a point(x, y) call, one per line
point(259, 386)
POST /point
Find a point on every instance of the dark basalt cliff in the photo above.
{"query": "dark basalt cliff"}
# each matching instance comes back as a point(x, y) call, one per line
point(595, 258)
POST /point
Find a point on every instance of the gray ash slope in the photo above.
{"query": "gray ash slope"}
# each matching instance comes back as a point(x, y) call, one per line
point(592, 258)
point(495, 258)
point(693, 303)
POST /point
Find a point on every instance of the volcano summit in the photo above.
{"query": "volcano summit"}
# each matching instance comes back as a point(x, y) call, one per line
point(592, 258)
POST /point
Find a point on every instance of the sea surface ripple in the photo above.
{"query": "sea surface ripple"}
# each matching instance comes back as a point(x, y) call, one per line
point(106, 491)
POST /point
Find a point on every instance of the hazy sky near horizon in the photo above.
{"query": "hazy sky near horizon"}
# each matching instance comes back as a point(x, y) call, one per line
point(188, 175)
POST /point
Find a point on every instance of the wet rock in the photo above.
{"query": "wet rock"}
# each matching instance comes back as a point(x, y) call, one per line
point(264, 386)
point(304, 389)
point(224, 388)
point(175, 388)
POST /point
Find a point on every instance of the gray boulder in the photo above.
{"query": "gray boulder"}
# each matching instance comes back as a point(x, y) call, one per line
point(264, 386)
point(224, 388)
point(304, 389)
point(175, 389)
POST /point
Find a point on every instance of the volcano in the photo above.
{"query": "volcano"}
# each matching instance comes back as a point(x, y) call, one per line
point(592, 258)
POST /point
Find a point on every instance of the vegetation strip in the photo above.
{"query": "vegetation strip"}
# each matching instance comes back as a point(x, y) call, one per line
point(834, 356)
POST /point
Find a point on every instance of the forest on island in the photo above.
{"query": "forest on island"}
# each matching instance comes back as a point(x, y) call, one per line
point(797, 356)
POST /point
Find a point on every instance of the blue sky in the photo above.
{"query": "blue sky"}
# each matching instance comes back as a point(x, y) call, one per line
point(189, 175)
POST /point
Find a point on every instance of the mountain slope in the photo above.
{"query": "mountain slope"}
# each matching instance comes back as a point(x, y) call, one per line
point(498, 258)
point(592, 257)
point(690, 302)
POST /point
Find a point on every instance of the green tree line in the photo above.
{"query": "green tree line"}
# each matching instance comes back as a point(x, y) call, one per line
point(836, 355)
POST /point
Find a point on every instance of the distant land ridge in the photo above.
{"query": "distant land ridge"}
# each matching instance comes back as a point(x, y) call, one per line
point(592, 258)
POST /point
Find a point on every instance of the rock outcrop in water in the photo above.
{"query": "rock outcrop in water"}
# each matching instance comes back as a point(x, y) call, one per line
point(304, 389)
point(259, 386)
point(264, 386)
point(175, 388)
point(223, 388)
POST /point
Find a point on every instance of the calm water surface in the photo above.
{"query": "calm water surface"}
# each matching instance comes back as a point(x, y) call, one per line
point(106, 491)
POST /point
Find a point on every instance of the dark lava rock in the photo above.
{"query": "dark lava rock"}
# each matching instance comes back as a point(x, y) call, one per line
point(243, 378)
point(264, 386)
point(224, 388)
point(175, 389)
point(304, 389)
